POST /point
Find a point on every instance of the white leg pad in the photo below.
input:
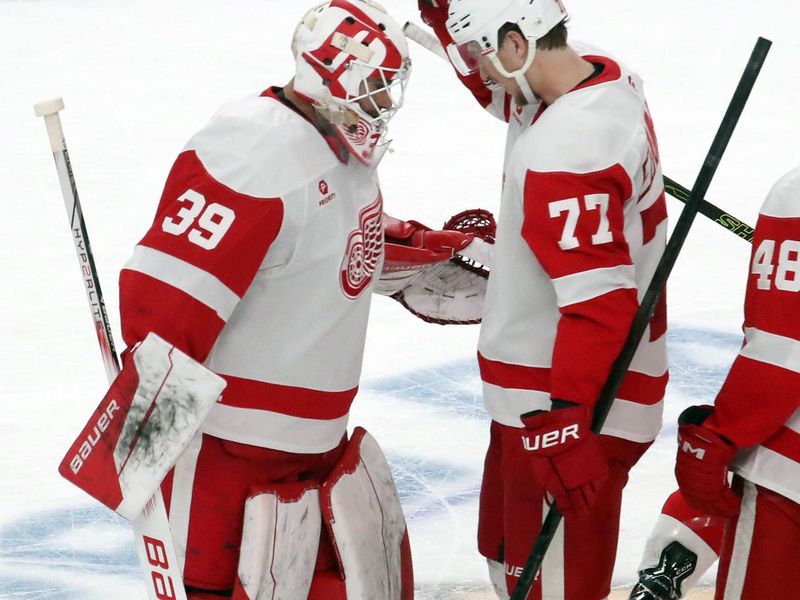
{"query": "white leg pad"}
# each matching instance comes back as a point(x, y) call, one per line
point(668, 530)
point(280, 541)
point(362, 510)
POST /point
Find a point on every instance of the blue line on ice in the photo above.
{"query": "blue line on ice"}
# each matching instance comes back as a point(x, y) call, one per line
point(47, 543)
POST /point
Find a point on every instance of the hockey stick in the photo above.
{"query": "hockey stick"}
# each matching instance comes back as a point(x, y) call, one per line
point(719, 216)
point(425, 39)
point(650, 299)
point(430, 42)
point(151, 529)
point(49, 110)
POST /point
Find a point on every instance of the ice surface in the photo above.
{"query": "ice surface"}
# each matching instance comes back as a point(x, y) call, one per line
point(138, 78)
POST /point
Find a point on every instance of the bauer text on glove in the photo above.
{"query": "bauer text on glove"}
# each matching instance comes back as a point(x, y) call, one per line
point(566, 456)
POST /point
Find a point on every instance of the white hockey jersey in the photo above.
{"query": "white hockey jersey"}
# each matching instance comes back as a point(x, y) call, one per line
point(581, 229)
point(758, 407)
point(260, 263)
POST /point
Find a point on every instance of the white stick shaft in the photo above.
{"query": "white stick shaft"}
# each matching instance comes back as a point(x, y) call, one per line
point(157, 556)
point(425, 39)
point(80, 239)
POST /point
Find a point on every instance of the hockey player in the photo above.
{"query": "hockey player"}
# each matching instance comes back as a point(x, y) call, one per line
point(581, 228)
point(753, 429)
point(260, 263)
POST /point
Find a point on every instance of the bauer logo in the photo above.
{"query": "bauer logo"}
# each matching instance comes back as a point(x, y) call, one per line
point(513, 571)
point(85, 450)
point(550, 439)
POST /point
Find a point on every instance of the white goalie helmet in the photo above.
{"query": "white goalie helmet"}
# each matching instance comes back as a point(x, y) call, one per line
point(352, 64)
point(474, 26)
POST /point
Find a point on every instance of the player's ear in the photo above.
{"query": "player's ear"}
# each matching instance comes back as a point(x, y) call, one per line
point(516, 42)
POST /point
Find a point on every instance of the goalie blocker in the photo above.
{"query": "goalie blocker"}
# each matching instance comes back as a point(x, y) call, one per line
point(145, 421)
point(358, 506)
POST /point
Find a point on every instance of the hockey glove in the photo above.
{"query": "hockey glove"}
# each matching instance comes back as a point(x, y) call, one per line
point(440, 276)
point(566, 456)
point(702, 464)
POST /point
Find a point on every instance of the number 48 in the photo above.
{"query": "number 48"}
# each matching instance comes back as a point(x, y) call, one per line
point(787, 276)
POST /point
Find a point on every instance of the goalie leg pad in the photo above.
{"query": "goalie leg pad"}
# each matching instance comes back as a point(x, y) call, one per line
point(143, 424)
point(362, 511)
point(280, 541)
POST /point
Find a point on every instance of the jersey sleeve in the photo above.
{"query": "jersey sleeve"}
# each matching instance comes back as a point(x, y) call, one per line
point(759, 394)
point(574, 225)
point(494, 100)
point(197, 260)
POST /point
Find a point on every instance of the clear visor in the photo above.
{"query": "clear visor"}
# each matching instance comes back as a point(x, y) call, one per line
point(466, 57)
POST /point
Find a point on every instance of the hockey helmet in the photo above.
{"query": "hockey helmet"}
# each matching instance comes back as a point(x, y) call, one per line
point(352, 64)
point(474, 26)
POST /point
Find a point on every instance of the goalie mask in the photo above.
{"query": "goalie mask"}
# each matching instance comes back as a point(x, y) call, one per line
point(474, 26)
point(353, 65)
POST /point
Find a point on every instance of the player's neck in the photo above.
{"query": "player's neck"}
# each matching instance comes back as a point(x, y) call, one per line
point(557, 72)
point(303, 106)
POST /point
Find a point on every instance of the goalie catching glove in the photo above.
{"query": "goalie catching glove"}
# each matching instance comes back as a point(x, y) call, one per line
point(439, 276)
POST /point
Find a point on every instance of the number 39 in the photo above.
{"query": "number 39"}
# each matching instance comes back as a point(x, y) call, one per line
point(787, 277)
point(211, 222)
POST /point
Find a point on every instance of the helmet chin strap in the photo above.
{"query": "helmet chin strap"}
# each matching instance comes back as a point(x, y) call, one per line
point(519, 74)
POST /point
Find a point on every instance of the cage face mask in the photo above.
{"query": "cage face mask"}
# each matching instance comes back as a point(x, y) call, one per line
point(353, 66)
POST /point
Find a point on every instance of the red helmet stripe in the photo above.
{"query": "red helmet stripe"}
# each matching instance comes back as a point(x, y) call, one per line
point(393, 60)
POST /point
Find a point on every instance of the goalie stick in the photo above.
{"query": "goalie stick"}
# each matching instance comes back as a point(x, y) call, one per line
point(654, 290)
point(430, 42)
point(151, 529)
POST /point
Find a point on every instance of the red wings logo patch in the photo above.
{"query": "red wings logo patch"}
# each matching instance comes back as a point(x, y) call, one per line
point(364, 250)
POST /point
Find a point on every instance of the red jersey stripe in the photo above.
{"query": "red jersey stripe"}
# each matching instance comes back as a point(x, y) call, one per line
point(147, 304)
point(786, 442)
point(288, 400)
point(636, 387)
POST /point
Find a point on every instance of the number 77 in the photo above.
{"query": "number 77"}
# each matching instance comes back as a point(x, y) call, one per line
point(572, 207)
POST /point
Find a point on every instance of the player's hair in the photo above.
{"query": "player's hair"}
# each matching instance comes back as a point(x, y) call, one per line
point(555, 39)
